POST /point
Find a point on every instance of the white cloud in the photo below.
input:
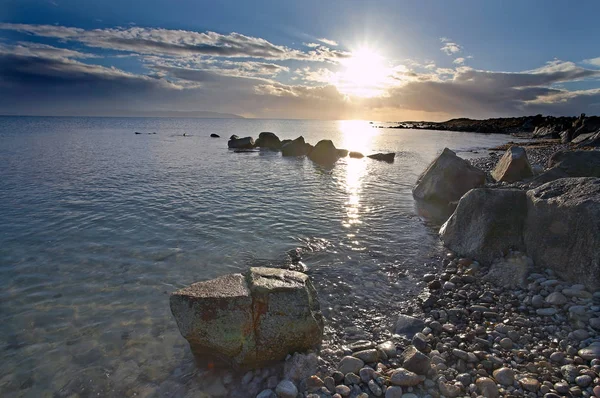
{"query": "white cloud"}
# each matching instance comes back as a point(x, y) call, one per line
point(459, 61)
point(592, 61)
point(449, 46)
point(329, 42)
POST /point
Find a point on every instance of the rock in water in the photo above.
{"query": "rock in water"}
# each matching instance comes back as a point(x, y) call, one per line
point(294, 148)
point(576, 163)
point(213, 135)
point(324, 153)
point(513, 166)
point(447, 179)
point(562, 231)
point(356, 155)
point(486, 224)
point(240, 143)
point(342, 153)
point(249, 320)
point(268, 140)
point(386, 157)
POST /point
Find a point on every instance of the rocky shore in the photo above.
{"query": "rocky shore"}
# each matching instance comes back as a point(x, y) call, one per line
point(512, 309)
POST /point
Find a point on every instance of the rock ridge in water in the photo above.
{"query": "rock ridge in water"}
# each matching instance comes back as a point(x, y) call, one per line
point(249, 320)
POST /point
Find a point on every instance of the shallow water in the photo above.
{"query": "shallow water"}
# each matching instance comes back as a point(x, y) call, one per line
point(98, 225)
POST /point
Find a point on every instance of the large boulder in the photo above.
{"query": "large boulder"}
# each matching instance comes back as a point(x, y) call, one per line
point(576, 163)
point(268, 140)
point(548, 131)
point(250, 320)
point(386, 157)
point(447, 179)
point(324, 153)
point(562, 229)
point(486, 224)
point(240, 143)
point(591, 140)
point(513, 166)
point(296, 147)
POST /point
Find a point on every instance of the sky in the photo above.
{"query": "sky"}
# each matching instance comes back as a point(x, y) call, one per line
point(387, 60)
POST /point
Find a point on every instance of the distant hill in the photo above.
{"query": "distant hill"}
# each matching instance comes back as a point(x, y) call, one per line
point(128, 113)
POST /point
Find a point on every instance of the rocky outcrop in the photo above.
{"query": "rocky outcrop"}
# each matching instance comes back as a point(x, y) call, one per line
point(240, 143)
point(324, 153)
point(385, 157)
point(268, 140)
point(249, 320)
point(296, 147)
point(513, 166)
point(447, 179)
point(486, 224)
point(576, 163)
point(562, 231)
point(213, 135)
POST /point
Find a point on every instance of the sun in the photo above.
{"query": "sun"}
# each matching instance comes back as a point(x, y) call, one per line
point(364, 74)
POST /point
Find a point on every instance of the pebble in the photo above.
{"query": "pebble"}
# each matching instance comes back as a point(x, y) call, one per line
point(557, 356)
point(487, 387)
point(375, 389)
point(597, 391)
point(343, 390)
point(537, 301)
point(506, 343)
point(350, 365)
point(589, 353)
point(405, 378)
point(556, 298)
point(351, 378)
point(389, 348)
point(530, 384)
point(268, 393)
point(366, 374)
point(449, 286)
point(583, 381)
point(393, 392)
point(504, 376)
point(286, 389)
point(368, 356)
point(546, 311)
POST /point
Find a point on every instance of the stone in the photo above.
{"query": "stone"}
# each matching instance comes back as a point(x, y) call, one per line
point(487, 387)
point(374, 388)
point(576, 163)
point(504, 376)
point(589, 353)
point(407, 326)
point(486, 224)
point(388, 348)
point(510, 271)
point(589, 140)
point(286, 389)
point(583, 381)
point(556, 298)
point(356, 155)
point(569, 373)
point(300, 366)
point(393, 392)
point(343, 390)
point(213, 135)
point(267, 394)
point(268, 140)
point(314, 383)
point(420, 342)
point(405, 378)
point(513, 166)
point(447, 179)
point(506, 343)
point(351, 378)
point(537, 301)
point(296, 147)
point(241, 143)
point(350, 365)
point(385, 157)
point(249, 320)
point(561, 231)
point(342, 153)
point(546, 311)
point(415, 361)
point(324, 153)
point(367, 356)
point(449, 390)
point(529, 384)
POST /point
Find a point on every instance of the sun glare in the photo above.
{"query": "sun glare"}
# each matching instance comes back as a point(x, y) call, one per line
point(364, 74)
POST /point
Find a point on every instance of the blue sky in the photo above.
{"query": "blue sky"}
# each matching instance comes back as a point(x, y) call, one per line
point(383, 60)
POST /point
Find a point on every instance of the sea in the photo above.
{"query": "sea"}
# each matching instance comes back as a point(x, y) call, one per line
point(98, 225)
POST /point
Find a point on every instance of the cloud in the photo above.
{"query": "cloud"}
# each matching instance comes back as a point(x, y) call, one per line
point(459, 61)
point(331, 43)
point(592, 61)
point(449, 46)
point(169, 42)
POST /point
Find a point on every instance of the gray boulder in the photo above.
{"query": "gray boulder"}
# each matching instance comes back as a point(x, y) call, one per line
point(385, 157)
point(510, 271)
point(591, 140)
point(240, 143)
point(408, 326)
point(250, 320)
point(486, 224)
point(324, 153)
point(562, 231)
point(268, 140)
point(447, 179)
point(548, 131)
point(576, 163)
point(296, 147)
point(513, 166)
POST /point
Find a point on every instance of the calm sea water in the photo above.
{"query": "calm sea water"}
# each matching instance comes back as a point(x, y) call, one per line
point(98, 225)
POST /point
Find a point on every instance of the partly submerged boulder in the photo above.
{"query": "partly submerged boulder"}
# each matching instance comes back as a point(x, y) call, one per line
point(268, 140)
point(486, 224)
point(576, 163)
point(342, 153)
point(324, 153)
point(240, 143)
point(447, 178)
point(213, 135)
point(562, 231)
point(386, 157)
point(296, 147)
point(513, 166)
point(249, 320)
point(356, 155)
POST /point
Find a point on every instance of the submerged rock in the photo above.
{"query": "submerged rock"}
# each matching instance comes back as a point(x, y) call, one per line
point(513, 166)
point(213, 135)
point(562, 231)
point(324, 153)
point(268, 140)
point(386, 157)
point(240, 143)
point(486, 224)
point(249, 320)
point(447, 179)
point(296, 147)
point(356, 155)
